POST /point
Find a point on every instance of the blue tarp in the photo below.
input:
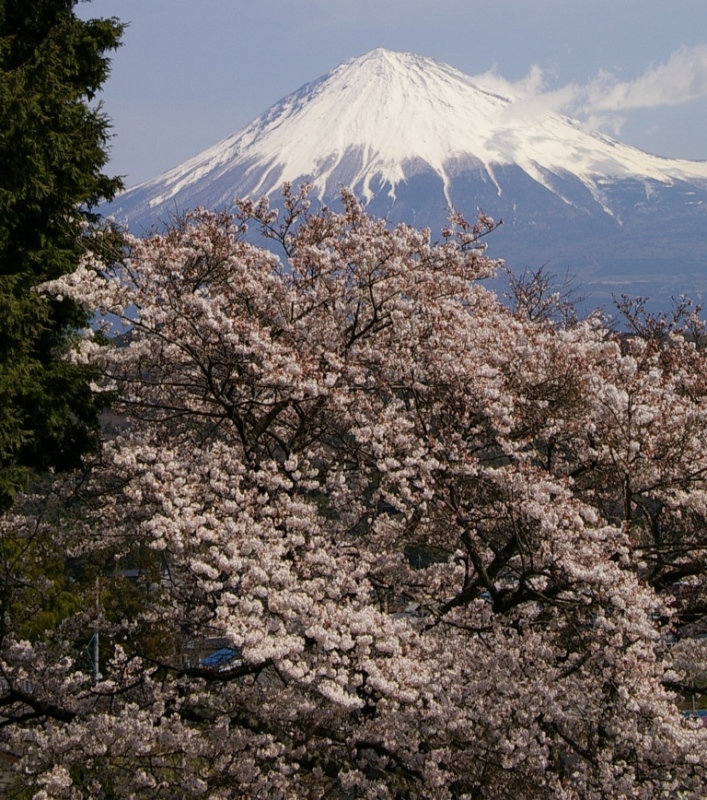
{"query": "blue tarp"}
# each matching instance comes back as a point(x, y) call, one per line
point(219, 657)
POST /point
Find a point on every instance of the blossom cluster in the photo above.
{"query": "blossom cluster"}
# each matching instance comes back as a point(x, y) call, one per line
point(456, 550)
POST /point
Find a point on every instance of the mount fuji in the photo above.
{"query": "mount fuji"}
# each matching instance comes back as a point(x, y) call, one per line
point(414, 137)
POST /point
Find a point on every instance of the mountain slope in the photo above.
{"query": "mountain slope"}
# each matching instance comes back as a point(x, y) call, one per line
point(414, 137)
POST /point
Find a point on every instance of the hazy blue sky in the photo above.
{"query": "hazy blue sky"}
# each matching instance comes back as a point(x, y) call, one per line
point(191, 72)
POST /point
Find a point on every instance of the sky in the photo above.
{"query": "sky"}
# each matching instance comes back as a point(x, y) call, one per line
point(192, 73)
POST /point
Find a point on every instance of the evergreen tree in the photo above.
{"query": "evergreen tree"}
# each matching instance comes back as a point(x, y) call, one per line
point(53, 147)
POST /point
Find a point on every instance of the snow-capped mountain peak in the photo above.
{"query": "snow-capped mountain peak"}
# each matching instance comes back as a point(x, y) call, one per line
point(373, 119)
point(379, 119)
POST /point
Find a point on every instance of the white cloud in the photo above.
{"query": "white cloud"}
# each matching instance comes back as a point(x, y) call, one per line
point(532, 85)
point(683, 77)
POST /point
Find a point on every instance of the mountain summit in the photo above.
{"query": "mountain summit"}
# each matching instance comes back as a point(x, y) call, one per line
point(414, 137)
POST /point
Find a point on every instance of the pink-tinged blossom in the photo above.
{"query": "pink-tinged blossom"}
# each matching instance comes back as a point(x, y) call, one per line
point(455, 551)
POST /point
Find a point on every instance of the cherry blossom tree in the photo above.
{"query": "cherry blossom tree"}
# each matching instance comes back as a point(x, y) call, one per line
point(445, 548)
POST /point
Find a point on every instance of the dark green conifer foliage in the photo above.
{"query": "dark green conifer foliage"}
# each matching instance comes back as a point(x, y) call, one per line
point(53, 142)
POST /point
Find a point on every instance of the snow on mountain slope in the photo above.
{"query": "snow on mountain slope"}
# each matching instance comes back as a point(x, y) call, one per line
point(414, 137)
point(378, 120)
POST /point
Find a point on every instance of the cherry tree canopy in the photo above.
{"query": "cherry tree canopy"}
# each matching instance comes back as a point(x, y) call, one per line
point(446, 548)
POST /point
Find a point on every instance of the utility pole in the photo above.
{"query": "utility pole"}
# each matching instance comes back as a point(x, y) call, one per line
point(96, 640)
